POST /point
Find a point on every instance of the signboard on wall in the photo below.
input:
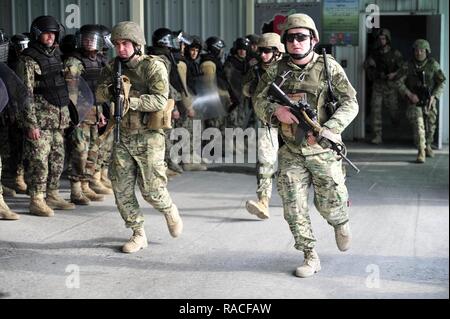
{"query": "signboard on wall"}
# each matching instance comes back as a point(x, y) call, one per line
point(340, 22)
point(269, 17)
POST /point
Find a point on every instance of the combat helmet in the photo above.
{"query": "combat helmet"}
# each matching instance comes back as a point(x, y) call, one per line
point(422, 44)
point(271, 40)
point(128, 30)
point(300, 20)
point(386, 33)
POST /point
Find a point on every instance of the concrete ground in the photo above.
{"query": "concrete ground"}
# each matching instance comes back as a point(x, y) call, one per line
point(399, 218)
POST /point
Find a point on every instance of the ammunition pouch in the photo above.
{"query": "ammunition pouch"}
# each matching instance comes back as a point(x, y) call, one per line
point(161, 119)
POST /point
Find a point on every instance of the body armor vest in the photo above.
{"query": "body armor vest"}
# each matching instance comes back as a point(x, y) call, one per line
point(51, 83)
point(386, 62)
point(92, 70)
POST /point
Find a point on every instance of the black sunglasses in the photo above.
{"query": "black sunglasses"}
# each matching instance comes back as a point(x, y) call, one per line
point(265, 50)
point(300, 37)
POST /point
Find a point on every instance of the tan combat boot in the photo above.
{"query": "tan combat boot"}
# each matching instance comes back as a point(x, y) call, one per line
point(343, 236)
point(429, 151)
point(421, 156)
point(260, 208)
point(171, 174)
point(8, 192)
point(21, 186)
point(56, 202)
point(174, 222)
point(96, 185)
point(89, 193)
point(5, 212)
point(377, 140)
point(194, 168)
point(39, 207)
point(137, 242)
point(311, 265)
point(105, 179)
point(76, 195)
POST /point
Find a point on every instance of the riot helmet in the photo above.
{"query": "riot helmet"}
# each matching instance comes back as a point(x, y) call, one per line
point(215, 46)
point(44, 24)
point(4, 47)
point(89, 38)
point(20, 42)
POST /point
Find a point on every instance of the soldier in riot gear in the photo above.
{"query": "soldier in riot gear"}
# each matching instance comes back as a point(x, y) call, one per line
point(167, 44)
point(86, 62)
point(270, 51)
point(382, 66)
point(138, 155)
point(46, 118)
point(5, 211)
point(422, 81)
point(19, 43)
point(192, 55)
point(235, 69)
point(211, 66)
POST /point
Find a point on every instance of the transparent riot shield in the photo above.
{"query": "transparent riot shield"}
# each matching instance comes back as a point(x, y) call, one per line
point(210, 102)
point(18, 93)
point(82, 99)
point(4, 98)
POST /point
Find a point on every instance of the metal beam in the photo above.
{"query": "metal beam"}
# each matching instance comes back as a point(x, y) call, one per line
point(137, 10)
point(250, 11)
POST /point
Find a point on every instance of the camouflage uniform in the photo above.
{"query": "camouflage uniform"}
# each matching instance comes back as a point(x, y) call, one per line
point(267, 141)
point(384, 91)
point(43, 158)
point(423, 120)
point(139, 157)
point(86, 133)
point(301, 164)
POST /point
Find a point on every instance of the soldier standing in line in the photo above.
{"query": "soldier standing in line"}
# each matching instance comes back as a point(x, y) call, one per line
point(87, 63)
point(46, 118)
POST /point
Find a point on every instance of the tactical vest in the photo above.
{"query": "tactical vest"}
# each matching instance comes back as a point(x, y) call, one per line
point(51, 83)
point(386, 62)
point(136, 120)
point(240, 65)
point(307, 85)
point(92, 69)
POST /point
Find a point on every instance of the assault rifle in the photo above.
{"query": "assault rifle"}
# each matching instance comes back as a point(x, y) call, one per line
point(307, 118)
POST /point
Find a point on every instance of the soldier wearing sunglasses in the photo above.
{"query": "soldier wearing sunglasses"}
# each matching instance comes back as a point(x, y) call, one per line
point(304, 160)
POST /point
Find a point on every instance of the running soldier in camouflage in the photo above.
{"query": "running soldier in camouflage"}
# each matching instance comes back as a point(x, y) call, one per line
point(383, 66)
point(138, 157)
point(303, 160)
point(422, 81)
point(270, 52)
point(46, 118)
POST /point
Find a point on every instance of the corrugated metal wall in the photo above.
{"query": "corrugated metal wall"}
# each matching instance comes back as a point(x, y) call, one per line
point(224, 18)
point(17, 15)
point(204, 18)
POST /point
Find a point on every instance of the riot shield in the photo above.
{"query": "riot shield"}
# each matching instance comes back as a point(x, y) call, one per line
point(209, 102)
point(17, 91)
point(82, 99)
point(3, 96)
